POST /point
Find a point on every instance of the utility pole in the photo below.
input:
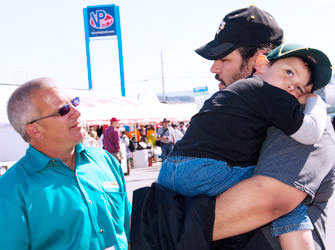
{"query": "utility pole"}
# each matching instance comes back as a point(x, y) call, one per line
point(163, 99)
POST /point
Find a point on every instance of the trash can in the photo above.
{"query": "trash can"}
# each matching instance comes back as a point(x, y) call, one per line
point(140, 158)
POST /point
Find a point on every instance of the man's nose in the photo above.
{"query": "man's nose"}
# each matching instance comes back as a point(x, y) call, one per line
point(216, 66)
point(75, 112)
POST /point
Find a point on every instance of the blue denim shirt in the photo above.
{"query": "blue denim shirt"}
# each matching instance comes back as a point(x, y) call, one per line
point(46, 205)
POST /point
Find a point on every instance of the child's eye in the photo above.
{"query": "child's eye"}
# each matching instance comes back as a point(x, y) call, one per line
point(289, 72)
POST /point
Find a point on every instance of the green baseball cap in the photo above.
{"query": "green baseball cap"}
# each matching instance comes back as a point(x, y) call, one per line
point(319, 62)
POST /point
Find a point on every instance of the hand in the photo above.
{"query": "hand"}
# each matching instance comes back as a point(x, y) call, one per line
point(303, 98)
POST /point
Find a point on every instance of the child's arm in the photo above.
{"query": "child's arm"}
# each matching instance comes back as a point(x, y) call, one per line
point(315, 120)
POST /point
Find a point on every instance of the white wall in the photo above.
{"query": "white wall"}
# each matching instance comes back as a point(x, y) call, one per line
point(12, 146)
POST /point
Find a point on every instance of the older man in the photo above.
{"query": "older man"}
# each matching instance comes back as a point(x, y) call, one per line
point(60, 195)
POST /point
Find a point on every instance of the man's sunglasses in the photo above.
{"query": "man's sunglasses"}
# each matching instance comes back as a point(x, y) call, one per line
point(61, 111)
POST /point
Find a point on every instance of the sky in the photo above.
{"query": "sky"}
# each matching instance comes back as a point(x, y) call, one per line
point(42, 38)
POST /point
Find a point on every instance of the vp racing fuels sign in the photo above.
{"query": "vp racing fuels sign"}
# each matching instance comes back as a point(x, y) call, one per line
point(101, 21)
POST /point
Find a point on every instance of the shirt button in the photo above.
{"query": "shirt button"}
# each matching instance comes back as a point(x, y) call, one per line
point(90, 201)
point(101, 231)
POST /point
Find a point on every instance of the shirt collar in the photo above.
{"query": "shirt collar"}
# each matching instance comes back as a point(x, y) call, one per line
point(40, 160)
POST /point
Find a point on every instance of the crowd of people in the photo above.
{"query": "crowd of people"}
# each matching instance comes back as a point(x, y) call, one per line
point(254, 169)
point(135, 137)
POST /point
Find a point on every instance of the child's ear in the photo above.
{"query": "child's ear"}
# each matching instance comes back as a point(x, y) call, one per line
point(261, 64)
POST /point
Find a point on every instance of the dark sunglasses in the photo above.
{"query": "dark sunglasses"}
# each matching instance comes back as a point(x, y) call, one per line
point(61, 111)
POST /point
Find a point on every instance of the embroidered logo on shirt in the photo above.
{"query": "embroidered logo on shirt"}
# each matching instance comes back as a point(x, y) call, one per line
point(110, 185)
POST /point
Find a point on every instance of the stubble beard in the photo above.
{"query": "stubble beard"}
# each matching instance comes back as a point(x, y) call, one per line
point(243, 72)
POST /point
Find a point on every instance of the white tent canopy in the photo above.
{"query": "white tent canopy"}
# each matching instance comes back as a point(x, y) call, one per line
point(99, 108)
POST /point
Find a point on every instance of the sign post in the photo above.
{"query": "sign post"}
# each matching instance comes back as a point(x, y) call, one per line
point(100, 22)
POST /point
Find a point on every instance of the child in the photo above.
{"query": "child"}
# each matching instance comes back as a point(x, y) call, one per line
point(221, 146)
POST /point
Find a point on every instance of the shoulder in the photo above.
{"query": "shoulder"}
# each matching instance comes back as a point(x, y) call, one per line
point(252, 82)
point(96, 152)
point(106, 130)
point(14, 181)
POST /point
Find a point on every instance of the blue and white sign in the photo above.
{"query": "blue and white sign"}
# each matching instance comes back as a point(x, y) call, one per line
point(200, 96)
point(101, 21)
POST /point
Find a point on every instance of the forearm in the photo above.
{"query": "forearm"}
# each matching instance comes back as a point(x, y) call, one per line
point(253, 203)
point(314, 122)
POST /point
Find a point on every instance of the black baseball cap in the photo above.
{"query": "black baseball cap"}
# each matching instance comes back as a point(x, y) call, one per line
point(319, 62)
point(244, 27)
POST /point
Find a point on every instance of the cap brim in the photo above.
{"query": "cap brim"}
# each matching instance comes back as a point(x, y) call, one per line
point(214, 50)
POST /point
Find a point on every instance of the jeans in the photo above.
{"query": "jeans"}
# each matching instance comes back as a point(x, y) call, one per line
point(166, 149)
point(192, 176)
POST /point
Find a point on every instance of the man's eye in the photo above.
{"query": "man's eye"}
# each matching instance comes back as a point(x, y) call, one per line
point(300, 89)
point(289, 72)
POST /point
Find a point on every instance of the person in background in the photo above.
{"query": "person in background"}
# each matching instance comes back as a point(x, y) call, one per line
point(151, 135)
point(91, 139)
point(124, 137)
point(126, 141)
point(143, 135)
point(135, 134)
point(60, 195)
point(177, 133)
point(182, 127)
point(111, 139)
point(100, 131)
point(165, 135)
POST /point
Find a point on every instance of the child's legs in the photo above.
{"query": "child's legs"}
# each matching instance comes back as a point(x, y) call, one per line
point(294, 229)
point(192, 176)
point(295, 220)
point(297, 240)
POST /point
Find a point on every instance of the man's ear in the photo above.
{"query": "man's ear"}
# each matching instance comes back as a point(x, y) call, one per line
point(261, 64)
point(34, 131)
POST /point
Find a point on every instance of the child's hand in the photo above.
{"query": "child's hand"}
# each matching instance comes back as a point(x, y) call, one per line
point(303, 98)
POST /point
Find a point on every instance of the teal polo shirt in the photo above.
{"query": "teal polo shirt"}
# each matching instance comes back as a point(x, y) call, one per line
point(44, 205)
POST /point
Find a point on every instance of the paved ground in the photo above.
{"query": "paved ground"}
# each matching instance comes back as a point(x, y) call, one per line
point(141, 177)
